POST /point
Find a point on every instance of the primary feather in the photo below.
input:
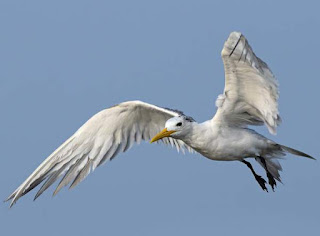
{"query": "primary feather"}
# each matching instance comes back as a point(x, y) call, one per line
point(251, 90)
point(100, 139)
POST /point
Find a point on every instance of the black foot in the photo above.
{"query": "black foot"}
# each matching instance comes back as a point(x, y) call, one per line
point(259, 179)
point(272, 181)
point(261, 182)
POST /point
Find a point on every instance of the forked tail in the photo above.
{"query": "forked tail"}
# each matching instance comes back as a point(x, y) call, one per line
point(296, 152)
point(272, 165)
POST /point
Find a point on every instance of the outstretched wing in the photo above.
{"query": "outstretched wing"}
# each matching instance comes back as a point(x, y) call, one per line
point(251, 91)
point(100, 139)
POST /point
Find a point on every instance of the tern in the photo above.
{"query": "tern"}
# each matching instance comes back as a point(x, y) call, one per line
point(250, 98)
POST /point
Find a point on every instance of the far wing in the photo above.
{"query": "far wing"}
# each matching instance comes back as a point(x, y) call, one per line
point(100, 139)
point(251, 91)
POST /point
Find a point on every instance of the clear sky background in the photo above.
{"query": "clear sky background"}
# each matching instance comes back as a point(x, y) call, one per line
point(63, 61)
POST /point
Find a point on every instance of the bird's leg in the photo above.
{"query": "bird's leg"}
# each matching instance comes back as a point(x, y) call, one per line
point(272, 181)
point(259, 179)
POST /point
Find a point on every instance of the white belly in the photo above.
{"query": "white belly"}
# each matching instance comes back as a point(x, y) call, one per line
point(228, 144)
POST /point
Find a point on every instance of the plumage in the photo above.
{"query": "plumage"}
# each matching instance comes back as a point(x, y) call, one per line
point(100, 139)
point(251, 90)
point(250, 97)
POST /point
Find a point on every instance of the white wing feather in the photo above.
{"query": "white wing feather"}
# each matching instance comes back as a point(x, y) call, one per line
point(251, 90)
point(100, 139)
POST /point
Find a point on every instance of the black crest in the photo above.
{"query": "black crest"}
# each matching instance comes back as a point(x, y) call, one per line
point(188, 118)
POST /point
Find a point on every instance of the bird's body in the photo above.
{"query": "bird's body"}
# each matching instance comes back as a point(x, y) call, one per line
point(223, 143)
point(220, 142)
point(249, 98)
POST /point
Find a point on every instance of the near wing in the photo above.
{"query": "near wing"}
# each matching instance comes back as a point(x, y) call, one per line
point(100, 139)
point(251, 90)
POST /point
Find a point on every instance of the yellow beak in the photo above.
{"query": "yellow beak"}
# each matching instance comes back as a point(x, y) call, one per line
point(164, 133)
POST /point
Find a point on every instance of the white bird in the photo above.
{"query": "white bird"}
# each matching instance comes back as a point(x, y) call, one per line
point(249, 98)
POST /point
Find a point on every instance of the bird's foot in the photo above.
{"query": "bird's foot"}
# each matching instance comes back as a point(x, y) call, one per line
point(261, 182)
point(272, 181)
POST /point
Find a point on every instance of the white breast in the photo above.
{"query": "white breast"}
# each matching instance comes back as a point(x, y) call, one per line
point(225, 143)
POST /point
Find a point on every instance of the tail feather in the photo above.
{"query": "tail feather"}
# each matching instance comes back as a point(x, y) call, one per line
point(296, 152)
point(273, 167)
point(277, 151)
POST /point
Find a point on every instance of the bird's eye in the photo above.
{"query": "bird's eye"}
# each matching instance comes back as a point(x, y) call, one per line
point(179, 124)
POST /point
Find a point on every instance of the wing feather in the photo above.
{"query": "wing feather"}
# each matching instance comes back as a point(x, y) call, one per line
point(251, 91)
point(70, 174)
point(82, 174)
point(100, 139)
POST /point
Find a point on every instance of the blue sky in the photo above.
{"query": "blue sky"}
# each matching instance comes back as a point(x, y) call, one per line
point(63, 61)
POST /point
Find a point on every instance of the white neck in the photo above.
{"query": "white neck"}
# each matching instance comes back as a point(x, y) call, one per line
point(199, 134)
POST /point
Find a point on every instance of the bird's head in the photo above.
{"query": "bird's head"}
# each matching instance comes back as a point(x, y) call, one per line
point(176, 127)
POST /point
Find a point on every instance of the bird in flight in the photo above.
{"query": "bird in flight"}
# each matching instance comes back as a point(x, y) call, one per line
point(250, 97)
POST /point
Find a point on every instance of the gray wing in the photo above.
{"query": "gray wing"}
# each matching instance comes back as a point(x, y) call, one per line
point(251, 91)
point(100, 139)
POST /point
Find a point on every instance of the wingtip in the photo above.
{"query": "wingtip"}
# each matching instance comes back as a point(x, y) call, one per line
point(36, 196)
point(235, 34)
point(6, 200)
point(13, 202)
point(231, 43)
point(312, 158)
point(13, 197)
